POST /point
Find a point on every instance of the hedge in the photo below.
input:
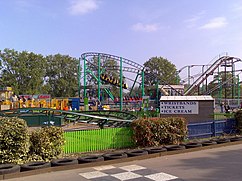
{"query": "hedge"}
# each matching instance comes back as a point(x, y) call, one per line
point(158, 131)
point(238, 118)
point(14, 140)
point(19, 146)
point(47, 143)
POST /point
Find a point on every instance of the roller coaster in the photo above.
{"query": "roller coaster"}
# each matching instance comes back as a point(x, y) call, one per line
point(221, 71)
point(222, 64)
point(94, 67)
point(48, 116)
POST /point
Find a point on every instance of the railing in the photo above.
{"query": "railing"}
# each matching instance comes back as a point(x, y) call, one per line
point(211, 128)
point(119, 138)
point(100, 139)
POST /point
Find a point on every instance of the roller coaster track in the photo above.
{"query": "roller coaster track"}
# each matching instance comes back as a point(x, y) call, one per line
point(114, 57)
point(136, 68)
point(100, 118)
point(221, 84)
point(220, 61)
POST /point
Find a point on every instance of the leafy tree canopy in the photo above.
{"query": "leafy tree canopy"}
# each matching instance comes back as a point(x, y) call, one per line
point(162, 70)
point(30, 73)
point(23, 71)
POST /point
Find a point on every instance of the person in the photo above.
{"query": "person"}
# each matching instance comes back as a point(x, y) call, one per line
point(226, 107)
point(70, 108)
point(151, 108)
point(65, 108)
point(222, 107)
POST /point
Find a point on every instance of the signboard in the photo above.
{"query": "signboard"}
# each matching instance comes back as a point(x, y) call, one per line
point(44, 96)
point(105, 86)
point(181, 107)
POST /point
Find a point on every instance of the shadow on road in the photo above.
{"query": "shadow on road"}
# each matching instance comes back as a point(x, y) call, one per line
point(221, 166)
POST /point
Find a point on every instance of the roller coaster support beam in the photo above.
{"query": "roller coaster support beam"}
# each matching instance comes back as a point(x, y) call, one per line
point(238, 84)
point(79, 78)
point(106, 90)
point(203, 82)
point(189, 75)
point(121, 84)
point(143, 83)
point(85, 77)
point(99, 80)
point(157, 93)
point(233, 80)
point(134, 84)
point(220, 86)
point(177, 77)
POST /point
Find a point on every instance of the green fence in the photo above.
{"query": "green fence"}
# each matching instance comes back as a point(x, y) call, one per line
point(222, 116)
point(96, 140)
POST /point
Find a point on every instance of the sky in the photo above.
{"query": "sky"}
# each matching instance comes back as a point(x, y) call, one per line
point(183, 31)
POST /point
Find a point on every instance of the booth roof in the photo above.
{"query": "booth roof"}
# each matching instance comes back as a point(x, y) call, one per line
point(186, 98)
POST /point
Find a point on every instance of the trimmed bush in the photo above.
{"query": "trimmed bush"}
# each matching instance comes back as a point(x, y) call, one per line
point(157, 131)
point(238, 118)
point(14, 140)
point(47, 143)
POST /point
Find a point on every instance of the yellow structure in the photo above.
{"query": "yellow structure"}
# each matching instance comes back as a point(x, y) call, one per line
point(5, 95)
point(10, 101)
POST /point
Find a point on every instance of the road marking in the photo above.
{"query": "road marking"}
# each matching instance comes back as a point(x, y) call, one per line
point(129, 172)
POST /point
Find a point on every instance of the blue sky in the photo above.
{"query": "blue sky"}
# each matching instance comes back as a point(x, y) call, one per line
point(183, 31)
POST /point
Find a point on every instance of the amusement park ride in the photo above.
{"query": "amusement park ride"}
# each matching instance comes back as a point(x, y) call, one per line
point(220, 79)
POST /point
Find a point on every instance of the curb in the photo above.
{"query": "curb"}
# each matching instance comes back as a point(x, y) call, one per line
point(123, 160)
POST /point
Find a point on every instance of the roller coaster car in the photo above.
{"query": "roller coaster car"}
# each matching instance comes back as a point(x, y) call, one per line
point(112, 81)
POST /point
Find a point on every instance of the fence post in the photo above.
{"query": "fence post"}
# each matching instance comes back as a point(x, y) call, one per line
point(214, 128)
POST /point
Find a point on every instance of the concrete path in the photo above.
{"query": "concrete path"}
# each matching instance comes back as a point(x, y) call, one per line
point(216, 164)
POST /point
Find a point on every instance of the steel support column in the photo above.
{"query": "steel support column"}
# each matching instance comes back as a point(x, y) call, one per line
point(79, 77)
point(85, 77)
point(143, 83)
point(99, 80)
point(121, 84)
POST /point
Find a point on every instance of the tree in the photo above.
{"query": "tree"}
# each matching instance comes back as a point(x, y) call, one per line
point(162, 70)
point(61, 76)
point(23, 71)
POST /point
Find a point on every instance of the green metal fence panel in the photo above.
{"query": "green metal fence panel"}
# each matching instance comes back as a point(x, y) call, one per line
point(34, 120)
point(97, 140)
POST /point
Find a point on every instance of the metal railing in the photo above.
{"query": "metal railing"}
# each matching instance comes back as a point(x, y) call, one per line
point(96, 140)
point(119, 138)
point(211, 128)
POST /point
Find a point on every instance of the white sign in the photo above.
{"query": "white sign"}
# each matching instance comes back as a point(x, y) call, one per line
point(105, 86)
point(181, 107)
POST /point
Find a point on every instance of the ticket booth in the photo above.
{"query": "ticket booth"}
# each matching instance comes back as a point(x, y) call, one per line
point(193, 108)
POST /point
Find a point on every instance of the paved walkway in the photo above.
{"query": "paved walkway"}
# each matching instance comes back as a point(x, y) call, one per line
point(217, 164)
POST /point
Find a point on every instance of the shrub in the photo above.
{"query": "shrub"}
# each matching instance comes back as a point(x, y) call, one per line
point(14, 140)
point(157, 131)
point(47, 143)
point(238, 118)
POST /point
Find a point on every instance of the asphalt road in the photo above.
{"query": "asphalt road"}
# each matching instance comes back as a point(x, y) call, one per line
point(217, 164)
